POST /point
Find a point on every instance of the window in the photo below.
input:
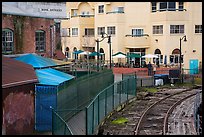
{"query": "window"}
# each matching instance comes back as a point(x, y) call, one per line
point(40, 40)
point(65, 32)
point(111, 30)
point(119, 9)
point(74, 12)
point(101, 30)
point(89, 32)
point(74, 31)
point(170, 6)
point(174, 29)
point(137, 32)
point(198, 28)
point(158, 29)
point(101, 9)
point(67, 52)
point(7, 41)
point(154, 6)
point(180, 6)
point(163, 6)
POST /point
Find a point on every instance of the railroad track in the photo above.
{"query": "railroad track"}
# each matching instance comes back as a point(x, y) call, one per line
point(153, 121)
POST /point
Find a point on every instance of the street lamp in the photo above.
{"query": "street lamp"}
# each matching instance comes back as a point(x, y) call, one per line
point(97, 41)
point(184, 37)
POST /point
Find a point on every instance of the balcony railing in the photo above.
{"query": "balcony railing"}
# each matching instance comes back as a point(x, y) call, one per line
point(84, 16)
point(137, 35)
point(160, 10)
point(112, 12)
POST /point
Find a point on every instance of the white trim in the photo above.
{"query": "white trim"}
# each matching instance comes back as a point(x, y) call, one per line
point(20, 82)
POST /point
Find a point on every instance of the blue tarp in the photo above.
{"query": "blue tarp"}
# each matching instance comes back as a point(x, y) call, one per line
point(36, 61)
point(77, 52)
point(51, 76)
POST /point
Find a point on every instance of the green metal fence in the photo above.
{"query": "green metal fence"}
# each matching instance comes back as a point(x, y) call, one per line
point(59, 126)
point(107, 100)
point(77, 94)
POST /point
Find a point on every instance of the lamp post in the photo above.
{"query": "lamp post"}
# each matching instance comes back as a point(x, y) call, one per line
point(109, 42)
point(184, 37)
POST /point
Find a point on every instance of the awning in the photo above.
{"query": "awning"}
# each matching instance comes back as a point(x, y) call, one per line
point(78, 51)
point(119, 53)
point(95, 54)
point(133, 55)
point(51, 76)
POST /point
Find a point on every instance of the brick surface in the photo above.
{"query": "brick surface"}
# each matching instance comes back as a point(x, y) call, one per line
point(31, 24)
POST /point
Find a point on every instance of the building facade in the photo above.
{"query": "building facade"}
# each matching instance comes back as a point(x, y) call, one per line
point(31, 27)
point(136, 27)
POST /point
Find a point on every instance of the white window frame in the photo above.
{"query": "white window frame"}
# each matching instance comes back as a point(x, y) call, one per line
point(101, 30)
point(101, 9)
point(41, 44)
point(74, 12)
point(176, 29)
point(75, 32)
point(167, 6)
point(157, 29)
point(8, 43)
point(198, 29)
point(154, 6)
point(111, 30)
point(89, 31)
point(137, 31)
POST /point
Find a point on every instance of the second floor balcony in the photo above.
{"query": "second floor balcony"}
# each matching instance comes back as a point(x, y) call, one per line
point(141, 41)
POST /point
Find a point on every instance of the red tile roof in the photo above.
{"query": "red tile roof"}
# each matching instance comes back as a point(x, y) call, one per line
point(16, 73)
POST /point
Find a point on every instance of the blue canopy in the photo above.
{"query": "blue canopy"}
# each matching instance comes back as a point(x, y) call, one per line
point(36, 61)
point(51, 76)
point(95, 54)
point(77, 52)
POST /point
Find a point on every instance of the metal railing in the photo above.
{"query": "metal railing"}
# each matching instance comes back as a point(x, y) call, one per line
point(107, 100)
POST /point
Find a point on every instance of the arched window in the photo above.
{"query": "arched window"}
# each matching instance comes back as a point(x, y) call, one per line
point(40, 43)
point(157, 51)
point(174, 58)
point(74, 55)
point(7, 41)
point(67, 52)
point(160, 59)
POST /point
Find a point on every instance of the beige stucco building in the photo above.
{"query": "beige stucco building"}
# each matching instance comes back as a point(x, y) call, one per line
point(136, 27)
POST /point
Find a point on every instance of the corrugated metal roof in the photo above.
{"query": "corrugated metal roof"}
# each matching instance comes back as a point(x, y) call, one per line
point(36, 61)
point(16, 73)
point(51, 76)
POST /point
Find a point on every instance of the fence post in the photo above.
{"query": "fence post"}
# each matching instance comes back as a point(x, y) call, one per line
point(113, 97)
point(98, 110)
point(93, 119)
point(86, 121)
point(120, 92)
point(127, 88)
point(52, 120)
point(106, 102)
point(141, 82)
